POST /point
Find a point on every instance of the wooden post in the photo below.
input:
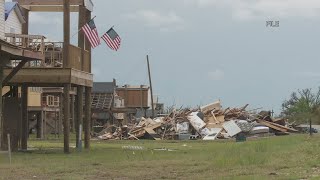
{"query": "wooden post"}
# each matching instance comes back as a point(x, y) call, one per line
point(60, 115)
point(9, 147)
point(66, 33)
point(310, 128)
point(87, 44)
point(72, 113)
point(66, 116)
point(79, 111)
point(55, 124)
point(1, 120)
point(39, 124)
point(149, 73)
point(45, 124)
point(24, 111)
point(25, 26)
point(87, 118)
point(81, 38)
point(42, 124)
point(79, 142)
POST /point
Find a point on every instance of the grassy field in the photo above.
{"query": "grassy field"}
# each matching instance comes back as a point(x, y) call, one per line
point(287, 157)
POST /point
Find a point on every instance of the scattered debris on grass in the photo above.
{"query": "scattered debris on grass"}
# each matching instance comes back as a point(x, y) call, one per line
point(209, 122)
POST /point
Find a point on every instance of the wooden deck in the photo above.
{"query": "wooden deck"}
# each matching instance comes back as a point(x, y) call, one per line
point(44, 77)
point(15, 52)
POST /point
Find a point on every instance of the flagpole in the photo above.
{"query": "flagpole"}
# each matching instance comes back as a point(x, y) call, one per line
point(80, 29)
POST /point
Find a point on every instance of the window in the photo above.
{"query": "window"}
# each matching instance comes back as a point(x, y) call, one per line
point(52, 100)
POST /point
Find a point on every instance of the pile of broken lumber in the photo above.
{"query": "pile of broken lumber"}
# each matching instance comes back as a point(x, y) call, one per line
point(208, 122)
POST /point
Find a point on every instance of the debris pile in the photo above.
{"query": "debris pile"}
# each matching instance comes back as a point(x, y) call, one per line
point(209, 122)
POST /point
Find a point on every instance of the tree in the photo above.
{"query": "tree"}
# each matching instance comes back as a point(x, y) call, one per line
point(302, 105)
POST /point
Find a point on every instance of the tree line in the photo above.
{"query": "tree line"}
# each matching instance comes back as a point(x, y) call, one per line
point(301, 106)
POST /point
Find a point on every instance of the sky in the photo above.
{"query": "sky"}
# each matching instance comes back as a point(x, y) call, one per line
point(204, 50)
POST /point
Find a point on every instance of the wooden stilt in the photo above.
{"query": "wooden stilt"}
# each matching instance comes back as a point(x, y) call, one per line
point(72, 113)
point(24, 111)
point(39, 124)
point(45, 125)
point(87, 118)
point(42, 124)
point(79, 111)
point(66, 116)
point(1, 119)
point(60, 115)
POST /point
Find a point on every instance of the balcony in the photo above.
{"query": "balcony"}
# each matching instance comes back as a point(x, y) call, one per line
point(53, 52)
point(49, 70)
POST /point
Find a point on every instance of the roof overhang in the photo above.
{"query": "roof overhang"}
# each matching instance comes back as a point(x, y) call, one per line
point(54, 5)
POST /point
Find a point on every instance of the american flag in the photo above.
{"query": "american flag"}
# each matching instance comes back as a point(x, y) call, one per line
point(112, 39)
point(91, 32)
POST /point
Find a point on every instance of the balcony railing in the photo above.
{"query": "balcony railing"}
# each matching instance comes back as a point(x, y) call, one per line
point(53, 52)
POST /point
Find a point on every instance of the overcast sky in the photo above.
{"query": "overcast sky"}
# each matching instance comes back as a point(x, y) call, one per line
point(203, 50)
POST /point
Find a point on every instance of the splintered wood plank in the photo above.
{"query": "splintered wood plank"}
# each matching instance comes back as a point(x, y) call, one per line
point(272, 126)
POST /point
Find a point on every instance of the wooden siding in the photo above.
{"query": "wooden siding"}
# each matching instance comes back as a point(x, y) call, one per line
point(132, 98)
point(75, 59)
point(2, 19)
point(34, 99)
point(13, 22)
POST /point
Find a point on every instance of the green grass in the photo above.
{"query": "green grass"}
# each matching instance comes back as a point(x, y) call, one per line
point(287, 157)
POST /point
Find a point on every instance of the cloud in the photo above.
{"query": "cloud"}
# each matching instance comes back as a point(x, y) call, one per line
point(164, 21)
point(262, 9)
point(216, 75)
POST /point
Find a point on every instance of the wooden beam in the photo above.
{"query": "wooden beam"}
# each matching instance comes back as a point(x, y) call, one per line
point(50, 8)
point(50, 76)
point(272, 126)
point(13, 72)
point(66, 116)
point(48, 2)
point(12, 50)
point(24, 118)
point(87, 118)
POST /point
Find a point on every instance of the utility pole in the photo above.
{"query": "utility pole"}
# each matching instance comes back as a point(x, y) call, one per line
point(150, 86)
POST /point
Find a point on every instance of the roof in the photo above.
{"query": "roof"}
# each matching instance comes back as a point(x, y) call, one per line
point(101, 101)
point(103, 87)
point(133, 87)
point(9, 7)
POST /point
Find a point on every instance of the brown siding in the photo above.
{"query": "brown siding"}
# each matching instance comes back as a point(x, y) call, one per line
point(133, 98)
